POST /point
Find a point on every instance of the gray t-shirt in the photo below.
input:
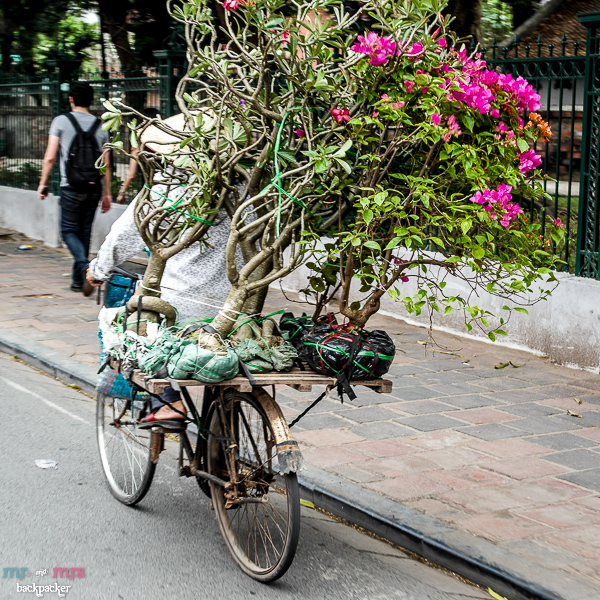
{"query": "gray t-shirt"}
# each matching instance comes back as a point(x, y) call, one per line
point(61, 127)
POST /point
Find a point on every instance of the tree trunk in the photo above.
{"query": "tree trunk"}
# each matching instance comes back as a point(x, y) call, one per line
point(114, 18)
point(467, 18)
point(235, 302)
point(153, 275)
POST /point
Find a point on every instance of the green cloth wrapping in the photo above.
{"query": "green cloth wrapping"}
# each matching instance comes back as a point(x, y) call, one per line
point(184, 359)
point(260, 360)
point(194, 362)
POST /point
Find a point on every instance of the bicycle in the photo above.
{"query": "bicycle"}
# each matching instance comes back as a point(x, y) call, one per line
point(244, 458)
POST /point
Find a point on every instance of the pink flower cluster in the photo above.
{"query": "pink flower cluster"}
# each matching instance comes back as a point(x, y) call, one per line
point(499, 201)
point(378, 48)
point(340, 114)
point(453, 127)
point(528, 161)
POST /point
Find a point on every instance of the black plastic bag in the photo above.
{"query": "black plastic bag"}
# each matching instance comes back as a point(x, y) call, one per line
point(328, 349)
point(294, 328)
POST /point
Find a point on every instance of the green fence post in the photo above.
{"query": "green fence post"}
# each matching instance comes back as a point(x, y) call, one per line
point(588, 230)
point(171, 68)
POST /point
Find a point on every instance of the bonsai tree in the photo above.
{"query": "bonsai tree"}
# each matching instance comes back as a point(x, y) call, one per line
point(395, 144)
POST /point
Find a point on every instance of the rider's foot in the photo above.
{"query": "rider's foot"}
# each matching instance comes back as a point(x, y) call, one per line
point(170, 412)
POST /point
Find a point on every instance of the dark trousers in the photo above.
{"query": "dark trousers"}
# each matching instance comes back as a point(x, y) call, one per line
point(76, 217)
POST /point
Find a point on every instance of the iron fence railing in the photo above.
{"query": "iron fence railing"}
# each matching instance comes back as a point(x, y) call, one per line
point(558, 76)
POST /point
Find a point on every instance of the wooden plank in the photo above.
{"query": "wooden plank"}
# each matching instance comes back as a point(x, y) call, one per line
point(297, 379)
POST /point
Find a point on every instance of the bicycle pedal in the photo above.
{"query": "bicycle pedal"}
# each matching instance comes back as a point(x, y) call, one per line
point(164, 426)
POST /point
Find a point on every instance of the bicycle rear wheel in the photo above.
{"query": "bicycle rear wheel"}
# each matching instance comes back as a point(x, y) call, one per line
point(124, 448)
point(258, 511)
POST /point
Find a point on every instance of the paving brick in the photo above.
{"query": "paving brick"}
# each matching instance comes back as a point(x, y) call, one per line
point(584, 541)
point(541, 552)
point(314, 421)
point(592, 501)
point(542, 425)
point(562, 441)
point(502, 527)
point(531, 409)
point(383, 448)
point(423, 407)
point(415, 393)
point(562, 516)
point(327, 437)
point(589, 478)
point(589, 434)
point(499, 384)
point(381, 431)
point(407, 487)
point(356, 474)
point(367, 414)
point(479, 416)
point(506, 448)
point(332, 455)
point(513, 495)
point(466, 477)
point(576, 459)
point(588, 418)
point(523, 396)
point(397, 465)
point(457, 457)
point(438, 440)
point(470, 401)
point(525, 468)
point(430, 422)
point(439, 510)
point(491, 431)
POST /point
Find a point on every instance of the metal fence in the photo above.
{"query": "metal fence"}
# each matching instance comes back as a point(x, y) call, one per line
point(28, 105)
point(558, 76)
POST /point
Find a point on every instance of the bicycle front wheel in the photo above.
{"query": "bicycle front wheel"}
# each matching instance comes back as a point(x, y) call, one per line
point(258, 510)
point(124, 448)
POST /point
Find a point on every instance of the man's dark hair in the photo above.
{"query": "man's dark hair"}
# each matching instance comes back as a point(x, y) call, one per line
point(82, 94)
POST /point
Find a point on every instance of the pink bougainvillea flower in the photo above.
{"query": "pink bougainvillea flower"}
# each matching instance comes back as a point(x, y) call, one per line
point(385, 97)
point(375, 114)
point(409, 85)
point(404, 278)
point(559, 223)
point(377, 48)
point(495, 113)
point(442, 43)
point(415, 51)
point(398, 105)
point(436, 118)
point(300, 132)
point(528, 161)
point(498, 204)
point(285, 38)
point(340, 114)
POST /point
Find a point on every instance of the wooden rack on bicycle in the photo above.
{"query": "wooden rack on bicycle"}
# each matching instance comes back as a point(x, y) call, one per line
point(296, 378)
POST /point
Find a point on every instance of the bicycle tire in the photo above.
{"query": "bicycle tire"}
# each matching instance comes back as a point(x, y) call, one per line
point(124, 450)
point(261, 536)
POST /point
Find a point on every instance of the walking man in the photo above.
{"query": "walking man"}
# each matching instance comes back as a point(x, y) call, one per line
point(80, 138)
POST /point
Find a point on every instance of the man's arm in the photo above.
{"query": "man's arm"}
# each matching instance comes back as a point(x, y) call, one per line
point(48, 164)
point(106, 195)
point(122, 243)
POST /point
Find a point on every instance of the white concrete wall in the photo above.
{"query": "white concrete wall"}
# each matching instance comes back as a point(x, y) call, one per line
point(22, 211)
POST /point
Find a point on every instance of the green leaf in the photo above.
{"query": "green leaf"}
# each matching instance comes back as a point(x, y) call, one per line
point(372, 245)
point(465, 226)
point(521, 310)
point(368, 215)
point(447, 310)
point(523, 145)
point(321, 165)
point(478, 253)
point(393, 243)
point(492, 336)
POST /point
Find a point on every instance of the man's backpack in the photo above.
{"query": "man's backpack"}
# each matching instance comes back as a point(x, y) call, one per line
point(83, 154)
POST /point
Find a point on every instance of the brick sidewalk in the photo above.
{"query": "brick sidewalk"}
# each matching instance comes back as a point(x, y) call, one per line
point(489, 451)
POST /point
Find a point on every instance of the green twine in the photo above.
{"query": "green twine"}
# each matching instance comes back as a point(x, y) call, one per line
point(176, 204)
point(277, 177)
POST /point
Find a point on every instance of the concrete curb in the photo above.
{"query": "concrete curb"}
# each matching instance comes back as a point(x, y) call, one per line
point(470, 557)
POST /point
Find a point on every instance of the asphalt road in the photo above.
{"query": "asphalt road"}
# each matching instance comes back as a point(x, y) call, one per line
point(170, 545)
